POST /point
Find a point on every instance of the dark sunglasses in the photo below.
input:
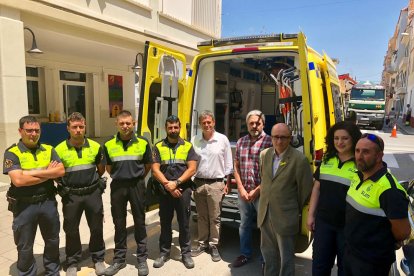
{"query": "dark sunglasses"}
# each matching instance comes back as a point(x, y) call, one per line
point(375, 139)
point(172, 118)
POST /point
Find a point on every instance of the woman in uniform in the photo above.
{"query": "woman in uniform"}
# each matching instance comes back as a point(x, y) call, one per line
point(326, 217)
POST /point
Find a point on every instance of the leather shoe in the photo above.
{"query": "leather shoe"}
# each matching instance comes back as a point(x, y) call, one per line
point(159, 262)
point(240, 261)
point(143, 268)
point(114, 268)
point(188, 262)
point(215, 255)
point(200, 249)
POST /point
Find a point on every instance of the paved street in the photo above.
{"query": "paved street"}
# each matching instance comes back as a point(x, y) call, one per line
point(399, 154)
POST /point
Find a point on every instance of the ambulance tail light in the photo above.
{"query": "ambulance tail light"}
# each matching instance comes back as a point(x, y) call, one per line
point(245, 49)
point(318, 157)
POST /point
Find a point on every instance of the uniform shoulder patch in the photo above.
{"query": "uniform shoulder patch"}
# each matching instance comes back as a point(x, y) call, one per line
point(8, 163)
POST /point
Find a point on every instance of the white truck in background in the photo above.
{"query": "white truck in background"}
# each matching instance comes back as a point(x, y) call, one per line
point(367, 104)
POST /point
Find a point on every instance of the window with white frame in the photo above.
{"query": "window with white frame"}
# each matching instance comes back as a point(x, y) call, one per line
point(33, 97)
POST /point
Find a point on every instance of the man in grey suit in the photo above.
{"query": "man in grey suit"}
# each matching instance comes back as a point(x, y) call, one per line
point(286, 185)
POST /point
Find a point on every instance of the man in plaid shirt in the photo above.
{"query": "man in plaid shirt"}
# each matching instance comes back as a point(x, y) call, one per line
point(246, 173)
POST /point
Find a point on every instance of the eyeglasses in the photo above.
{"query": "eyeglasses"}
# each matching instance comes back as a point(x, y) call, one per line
point(31, 130)
point(282, 138)
point(375, 139)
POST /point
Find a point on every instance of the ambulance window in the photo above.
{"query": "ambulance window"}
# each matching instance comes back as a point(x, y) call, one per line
point(337, 101)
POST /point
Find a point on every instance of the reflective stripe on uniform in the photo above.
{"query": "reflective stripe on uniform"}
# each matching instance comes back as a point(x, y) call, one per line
point(134, 152)
point(176, 161)
point(370, 211)
point(80, 168)
point(335, 178)
point(127, 158)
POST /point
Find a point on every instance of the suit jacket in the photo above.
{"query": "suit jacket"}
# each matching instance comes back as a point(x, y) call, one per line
point(283, 196)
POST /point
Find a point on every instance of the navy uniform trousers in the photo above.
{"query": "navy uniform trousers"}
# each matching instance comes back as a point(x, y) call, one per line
point(182, 207)
point(73, 207)
point(121, 193)
point(45, 215)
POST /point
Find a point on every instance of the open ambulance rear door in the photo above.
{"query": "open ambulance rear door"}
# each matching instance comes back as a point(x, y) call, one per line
point(162, 91)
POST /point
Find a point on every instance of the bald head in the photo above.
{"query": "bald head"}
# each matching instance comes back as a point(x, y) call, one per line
point(281, 136)
point(281, 127)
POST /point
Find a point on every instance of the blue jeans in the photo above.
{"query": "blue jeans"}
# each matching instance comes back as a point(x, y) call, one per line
point(248, 214)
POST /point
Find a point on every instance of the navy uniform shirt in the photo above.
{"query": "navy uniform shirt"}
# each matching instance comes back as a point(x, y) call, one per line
point(333, 189)
point(86, 176)
point(129, 170)
point(369, 236)
point(173, 170)
point(11, 162)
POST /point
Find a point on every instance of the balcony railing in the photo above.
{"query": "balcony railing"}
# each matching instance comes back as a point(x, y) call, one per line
point(403, 64)
point(390, 69)
point(400, 90)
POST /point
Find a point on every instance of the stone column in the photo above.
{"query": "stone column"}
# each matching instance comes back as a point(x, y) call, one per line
point(13, 90)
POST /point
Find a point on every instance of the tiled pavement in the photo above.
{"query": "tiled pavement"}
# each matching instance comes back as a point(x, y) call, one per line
point(8, 252)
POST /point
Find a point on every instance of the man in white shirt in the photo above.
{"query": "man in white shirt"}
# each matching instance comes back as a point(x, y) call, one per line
point(214, 164)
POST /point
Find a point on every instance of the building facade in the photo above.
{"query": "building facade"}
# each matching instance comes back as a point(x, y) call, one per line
point(398, 73)
point(89, 48)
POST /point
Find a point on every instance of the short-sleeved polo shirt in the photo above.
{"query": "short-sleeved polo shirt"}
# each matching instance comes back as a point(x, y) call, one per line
point(171, 166)
point(80, 162)
point(334, 177)
point(371, 203)
point(12, 162)
point(127, 158)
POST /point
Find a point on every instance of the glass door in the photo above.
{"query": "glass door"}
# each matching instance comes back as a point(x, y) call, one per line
point(74, 99)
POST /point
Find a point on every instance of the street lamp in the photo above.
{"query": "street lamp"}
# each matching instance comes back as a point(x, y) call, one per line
point(33, 49)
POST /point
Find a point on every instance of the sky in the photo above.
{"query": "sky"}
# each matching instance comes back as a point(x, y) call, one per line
point(354, 31)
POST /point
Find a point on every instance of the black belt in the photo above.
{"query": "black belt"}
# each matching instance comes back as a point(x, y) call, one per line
point(35, 198)
point(84, 190)
point(209, 180)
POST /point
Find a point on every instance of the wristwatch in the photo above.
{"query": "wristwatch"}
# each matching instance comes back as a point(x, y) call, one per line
point(178, 181)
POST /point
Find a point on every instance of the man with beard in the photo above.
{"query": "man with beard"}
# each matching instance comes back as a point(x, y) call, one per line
point(128, 159)
point(32, 166)
point(246, 173)
point(376, 212)
point(214, 163)
point(174, 162)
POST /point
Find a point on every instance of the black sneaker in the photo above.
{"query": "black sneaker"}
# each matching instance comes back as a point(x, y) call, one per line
point(215, 255)
point(159, 262)
point(200, 249)
point(188, 262)
point(114, 268)
point(143, 268)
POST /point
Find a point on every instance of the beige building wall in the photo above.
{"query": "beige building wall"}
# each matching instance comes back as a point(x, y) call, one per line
point(95, 38)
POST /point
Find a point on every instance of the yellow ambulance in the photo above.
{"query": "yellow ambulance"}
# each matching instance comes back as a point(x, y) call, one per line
point(278, 74)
